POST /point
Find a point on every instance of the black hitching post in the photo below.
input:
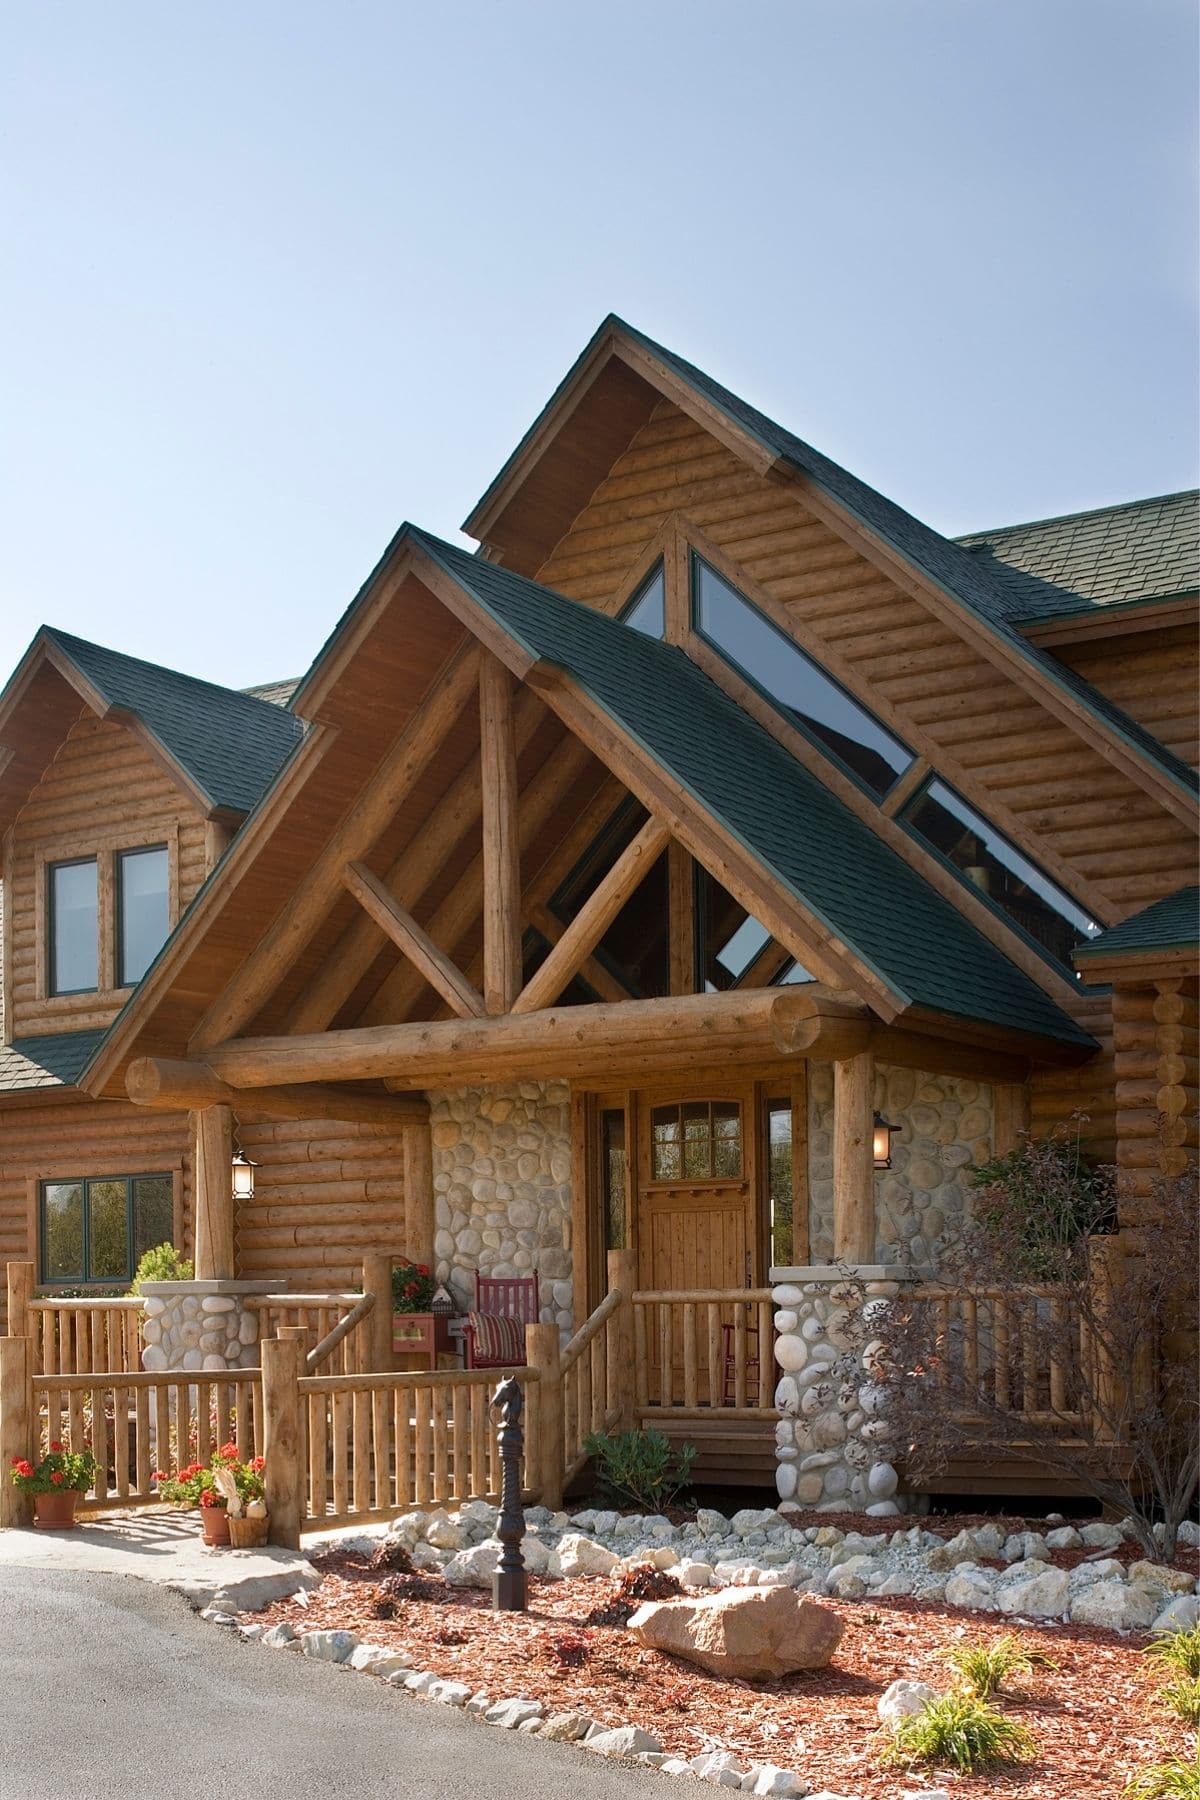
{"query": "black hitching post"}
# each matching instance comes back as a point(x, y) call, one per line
point(510, 1582)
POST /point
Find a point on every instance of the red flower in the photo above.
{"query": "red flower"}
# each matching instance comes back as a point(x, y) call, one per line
point(23, 1467)
point(228, 1452)
point(410, 1289)
point(258, 1464)
point(56, 1447)
point(160, 1475)
point(58, 1477)
point(208, 1498)
point(422, 1269)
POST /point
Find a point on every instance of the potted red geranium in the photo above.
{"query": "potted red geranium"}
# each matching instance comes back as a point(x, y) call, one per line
point(55, 1483)
point(229, 1493)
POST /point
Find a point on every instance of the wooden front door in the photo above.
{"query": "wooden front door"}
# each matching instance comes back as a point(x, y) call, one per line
point(697, 1211)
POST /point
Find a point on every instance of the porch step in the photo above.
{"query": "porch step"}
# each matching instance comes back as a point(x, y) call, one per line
point(729, 1452)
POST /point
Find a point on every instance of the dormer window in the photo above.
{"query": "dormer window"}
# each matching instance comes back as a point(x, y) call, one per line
point(142, 911)
point(74, 911)
point(107, 917)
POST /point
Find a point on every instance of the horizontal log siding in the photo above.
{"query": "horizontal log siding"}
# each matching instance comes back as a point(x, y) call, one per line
point(1154, 677)
point(893, 649)
point(1055, 1094)
point(326, 1194)
point(102, 788)
point(68, 1137)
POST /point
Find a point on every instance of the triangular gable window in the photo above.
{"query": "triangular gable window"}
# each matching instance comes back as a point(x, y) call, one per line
point(733, 948)
point(636, 946)
point(646, 611)
point(808, 698)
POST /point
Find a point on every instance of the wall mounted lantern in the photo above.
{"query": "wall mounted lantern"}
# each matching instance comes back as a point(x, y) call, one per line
point(243, 1176)
point(881, 1142)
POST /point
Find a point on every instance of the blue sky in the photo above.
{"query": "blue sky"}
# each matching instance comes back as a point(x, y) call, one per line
point(281, 275)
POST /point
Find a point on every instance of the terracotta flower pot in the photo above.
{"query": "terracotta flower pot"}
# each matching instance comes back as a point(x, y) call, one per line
point(214, 1525)
point(55, 1511)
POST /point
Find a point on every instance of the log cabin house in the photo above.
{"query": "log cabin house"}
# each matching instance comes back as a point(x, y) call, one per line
point(712, 867)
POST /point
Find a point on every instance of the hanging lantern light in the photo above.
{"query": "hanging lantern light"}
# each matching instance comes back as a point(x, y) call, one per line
point(881, 1142)
point(243, 1176)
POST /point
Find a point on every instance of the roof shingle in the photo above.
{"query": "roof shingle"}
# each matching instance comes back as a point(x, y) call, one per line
point(1145, 549)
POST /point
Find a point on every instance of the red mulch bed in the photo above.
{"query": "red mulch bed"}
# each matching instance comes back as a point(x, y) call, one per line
point(1092, 1714)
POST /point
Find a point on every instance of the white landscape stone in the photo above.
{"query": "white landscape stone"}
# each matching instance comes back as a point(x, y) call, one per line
point(508, 1714)
point(1181, 1615)
point(770, 1779)
point(328, 1646)
point(1037, 1596)
point(903, 1698)
point(624, 1740)
point(1115, 1605)
point(578, 1555)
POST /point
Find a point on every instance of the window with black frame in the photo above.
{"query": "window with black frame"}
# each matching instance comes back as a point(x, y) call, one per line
point(636, 947)
point(733, 946)
point(983, 856)
point(142, 910)
point(805, 694)
point(72, 917)
point(646, 611)
point(97, 1228)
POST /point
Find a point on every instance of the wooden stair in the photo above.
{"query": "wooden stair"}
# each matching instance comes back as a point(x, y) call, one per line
point(731, 1452)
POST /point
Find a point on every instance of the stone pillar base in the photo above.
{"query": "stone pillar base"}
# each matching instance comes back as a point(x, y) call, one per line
point(833, 1444)
point(200, 1326)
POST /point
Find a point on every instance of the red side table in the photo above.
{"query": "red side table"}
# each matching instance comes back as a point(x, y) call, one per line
point(419, 1339)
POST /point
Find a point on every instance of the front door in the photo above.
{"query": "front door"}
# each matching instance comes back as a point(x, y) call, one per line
point(697, 1217)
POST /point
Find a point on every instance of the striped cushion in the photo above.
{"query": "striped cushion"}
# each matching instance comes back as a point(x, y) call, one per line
point(497, 1339)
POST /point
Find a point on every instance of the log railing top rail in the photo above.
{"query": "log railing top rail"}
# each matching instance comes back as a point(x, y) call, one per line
point(940, 1290)
point(413, 1378)
point(699, 1296)
point(90, 1303)
point(321, 1352)
point(264, 1302)
point(590, 1327)
point(142, 1378)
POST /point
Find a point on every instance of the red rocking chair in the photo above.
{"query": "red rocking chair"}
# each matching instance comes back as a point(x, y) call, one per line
point(494, 1334)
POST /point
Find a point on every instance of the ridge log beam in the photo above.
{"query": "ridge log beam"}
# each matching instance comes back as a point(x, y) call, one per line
point(568, 1042)
point(593, 919)
point(501, 841)
point(450, 982)
point(186, 1086)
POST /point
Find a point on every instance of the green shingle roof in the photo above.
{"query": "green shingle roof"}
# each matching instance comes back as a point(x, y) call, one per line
point(869, 897)
point(1146, 549)
point(55, 1060)
point(1170, 924)
point(960, 572)
point(230, 744)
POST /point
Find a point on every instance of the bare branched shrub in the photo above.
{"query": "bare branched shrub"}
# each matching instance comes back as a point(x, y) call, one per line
point(1050, 1337)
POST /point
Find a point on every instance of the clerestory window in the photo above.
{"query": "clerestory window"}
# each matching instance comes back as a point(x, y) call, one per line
point(808, 698)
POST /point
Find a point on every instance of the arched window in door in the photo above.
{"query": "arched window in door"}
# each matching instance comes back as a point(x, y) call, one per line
point(696, 1140)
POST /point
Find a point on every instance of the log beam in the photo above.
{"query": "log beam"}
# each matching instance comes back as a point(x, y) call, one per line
point(375, 807)
point(175, 1086)
point(450, 982)
point(593, 919)
point(686, 1031)
point(213, 1134)
point(501, 841)
point(853, 1162)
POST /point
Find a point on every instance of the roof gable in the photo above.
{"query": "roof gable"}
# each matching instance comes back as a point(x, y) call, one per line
point(998, 601)
point(919, 945)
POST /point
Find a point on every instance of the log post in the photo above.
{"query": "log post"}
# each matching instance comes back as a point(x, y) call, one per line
point(501, 842)
point(282, 1367)
point(213, 1132)
point(853, 1162)
point(622, 1279)
point(1011, 1112)
point(377, 1280)
point(419, 1204)
point(18, 1423)
point(549, 1451)
point(20, 1293)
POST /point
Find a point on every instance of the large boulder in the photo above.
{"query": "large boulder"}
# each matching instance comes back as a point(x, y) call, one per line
point(750, 1633)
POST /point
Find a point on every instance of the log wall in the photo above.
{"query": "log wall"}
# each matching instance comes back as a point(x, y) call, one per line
point(63, 1136)
point(103, 791)
point(1154, 677)
point(925, 678)
point(326, 1194)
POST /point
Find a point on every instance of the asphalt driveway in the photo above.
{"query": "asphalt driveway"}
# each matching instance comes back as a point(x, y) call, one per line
point(111, 1687)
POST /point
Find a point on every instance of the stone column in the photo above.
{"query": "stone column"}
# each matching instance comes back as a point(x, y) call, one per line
point(200, 1325)
point(834, 1448)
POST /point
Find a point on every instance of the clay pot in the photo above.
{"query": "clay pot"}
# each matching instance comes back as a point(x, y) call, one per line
point(55, 1511)
point(214, 1526)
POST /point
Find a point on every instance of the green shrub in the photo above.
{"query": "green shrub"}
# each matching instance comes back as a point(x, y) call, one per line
point(983, 1669)
point(1172, 1780)
point(1182, 1697)
point(162, 1263)
point(640, 1468)
point(1177, 1650)
point(1047, 1196)
point(960, 1731)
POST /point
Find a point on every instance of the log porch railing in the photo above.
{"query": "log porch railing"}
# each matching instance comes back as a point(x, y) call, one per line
point(704, 1351)
point(334, 1350)
point(988, 1341)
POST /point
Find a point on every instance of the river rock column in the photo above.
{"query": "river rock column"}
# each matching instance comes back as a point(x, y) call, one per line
point(200, 1326)
point(833, 1445)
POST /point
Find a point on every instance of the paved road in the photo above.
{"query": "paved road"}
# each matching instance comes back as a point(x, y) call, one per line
point(109, 1687)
